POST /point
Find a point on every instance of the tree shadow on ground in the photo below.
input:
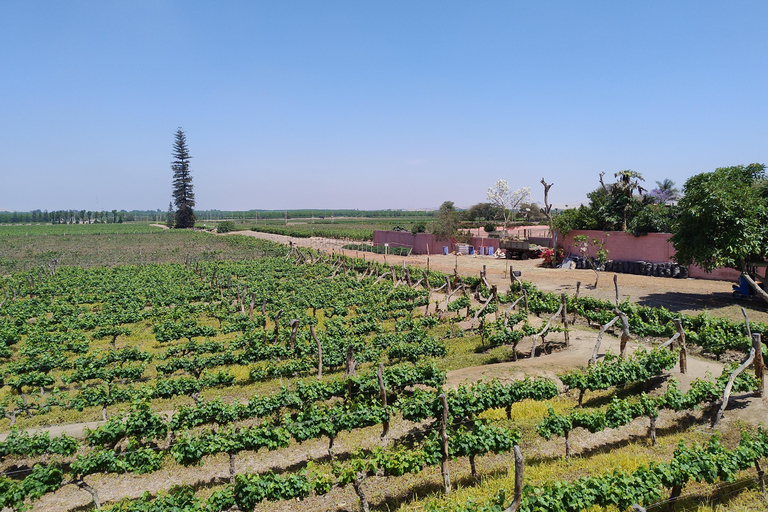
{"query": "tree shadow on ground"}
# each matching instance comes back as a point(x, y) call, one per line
point(678, 301)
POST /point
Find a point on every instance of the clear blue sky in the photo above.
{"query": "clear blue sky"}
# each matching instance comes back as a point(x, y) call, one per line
point(396, 104)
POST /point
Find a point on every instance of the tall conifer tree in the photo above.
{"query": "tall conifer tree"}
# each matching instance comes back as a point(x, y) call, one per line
point(183, 196)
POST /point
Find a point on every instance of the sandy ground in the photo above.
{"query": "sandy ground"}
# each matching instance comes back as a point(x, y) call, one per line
point(690, 296)
point(685, 295)
point(215, 469)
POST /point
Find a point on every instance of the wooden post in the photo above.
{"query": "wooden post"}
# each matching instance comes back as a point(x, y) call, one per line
point(760, 476)
point(746, 323)
point(277, 323)
point(652, 430)
point(294, 328)
point(319, 352)
point(575, 301)
point(616, 286)
point(624, 332)
point(683, 347)
point(444, 439)
point(729, 386)
point(563, 317)
point(519, 464)
point(600, 338)
point(757, 346)
point(357, 485)
point(350, 370)
point(385, 423)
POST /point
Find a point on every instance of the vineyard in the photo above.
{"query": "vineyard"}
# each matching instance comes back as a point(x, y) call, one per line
point(299, 380)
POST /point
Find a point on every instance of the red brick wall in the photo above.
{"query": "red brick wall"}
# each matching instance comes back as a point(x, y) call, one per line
point(653, 247)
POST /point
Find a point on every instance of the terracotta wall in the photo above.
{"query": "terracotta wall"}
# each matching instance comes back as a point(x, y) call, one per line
point(427, 243)
point(421, 243)
point(653, 247)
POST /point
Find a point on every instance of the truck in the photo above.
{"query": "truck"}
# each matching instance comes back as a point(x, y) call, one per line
point(520, 248)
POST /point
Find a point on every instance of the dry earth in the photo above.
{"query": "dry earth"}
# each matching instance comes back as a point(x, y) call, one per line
point(690, 296)
point(215, 470)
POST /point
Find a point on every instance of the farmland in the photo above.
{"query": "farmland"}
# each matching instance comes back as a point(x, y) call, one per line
point(226, 370)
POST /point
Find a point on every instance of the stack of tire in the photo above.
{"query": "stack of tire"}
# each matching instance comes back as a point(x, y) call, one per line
point(642, 268)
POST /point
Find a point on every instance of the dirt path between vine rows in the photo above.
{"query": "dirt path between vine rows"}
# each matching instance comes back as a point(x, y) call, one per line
point(689, 296)
point(112, 488)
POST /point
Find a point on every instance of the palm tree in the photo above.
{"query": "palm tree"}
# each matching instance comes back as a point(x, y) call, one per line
point(628, 182)
point(668, 186)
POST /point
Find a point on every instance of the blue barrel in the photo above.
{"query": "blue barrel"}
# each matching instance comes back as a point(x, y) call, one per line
point(471, 250)
point(445, 250)
point(490, 251)
point(744, 286)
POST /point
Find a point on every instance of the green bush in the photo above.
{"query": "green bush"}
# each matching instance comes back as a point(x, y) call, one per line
point(225, 227)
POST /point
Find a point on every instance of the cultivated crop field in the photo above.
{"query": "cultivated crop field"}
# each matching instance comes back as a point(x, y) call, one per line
point(208, 372)
point(24, 248)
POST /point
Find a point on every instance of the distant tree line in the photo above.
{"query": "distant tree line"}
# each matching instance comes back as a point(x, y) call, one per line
point(92, 217)
point(66, 217)
point(624, 205)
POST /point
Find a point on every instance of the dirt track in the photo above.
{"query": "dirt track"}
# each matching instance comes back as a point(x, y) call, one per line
point(690, 296)
point(112, 488)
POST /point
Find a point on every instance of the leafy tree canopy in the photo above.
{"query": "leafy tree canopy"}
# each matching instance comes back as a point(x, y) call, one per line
point(447, 222)
point(619, 206)
point(723, 218)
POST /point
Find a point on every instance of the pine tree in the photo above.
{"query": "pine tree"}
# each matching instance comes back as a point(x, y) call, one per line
point(170, 216)
point(183, 196)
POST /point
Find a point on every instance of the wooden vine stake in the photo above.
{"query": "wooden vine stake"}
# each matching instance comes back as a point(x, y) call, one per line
point(729, 386)
point(294, 328)
point(319, 352)
point(543, 332)
point(683, 347)
point(277, 324)
point(757, 346)
point(444, 441)
point(624, 332)
point(519, 463)
point(563, 317)
point(576, 301)
point(759, 361)
point(385, 423)
point(600, 339)
point(351, 368)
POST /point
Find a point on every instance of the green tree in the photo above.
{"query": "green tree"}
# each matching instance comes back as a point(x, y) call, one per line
point(723, 220)
point(183, 196)
point(447, 222)
point(170, 216)
point(482, 212)
point(623, 191)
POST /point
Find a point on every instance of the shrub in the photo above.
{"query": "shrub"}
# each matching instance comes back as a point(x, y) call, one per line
point(225, 226)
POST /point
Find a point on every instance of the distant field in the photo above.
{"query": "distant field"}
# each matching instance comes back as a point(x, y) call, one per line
point(343, 228)
point(76, 229)
point(28, 247)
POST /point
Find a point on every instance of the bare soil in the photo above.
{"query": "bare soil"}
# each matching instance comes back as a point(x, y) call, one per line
point(689, 296)
point(111, 488)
